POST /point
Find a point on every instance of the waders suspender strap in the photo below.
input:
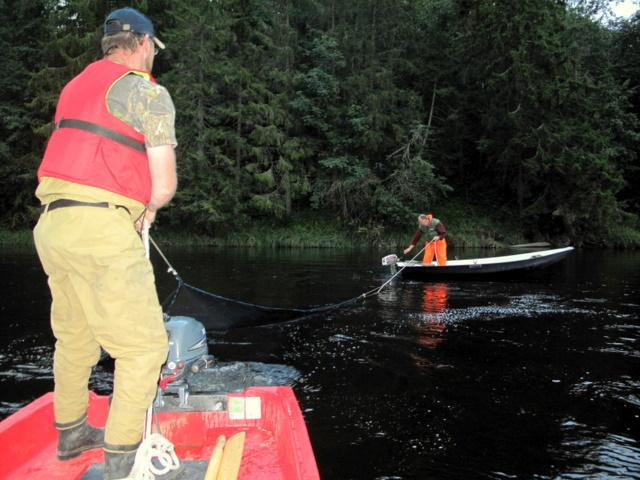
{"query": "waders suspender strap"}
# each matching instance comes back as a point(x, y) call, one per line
point(101, 131)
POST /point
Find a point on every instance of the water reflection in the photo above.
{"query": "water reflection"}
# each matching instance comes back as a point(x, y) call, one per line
point(430, 330)
point(435, 297)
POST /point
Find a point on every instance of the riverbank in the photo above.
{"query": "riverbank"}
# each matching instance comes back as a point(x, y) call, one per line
point(262, 234)
point(468, 227)
point(314, 230)
point(308, 233)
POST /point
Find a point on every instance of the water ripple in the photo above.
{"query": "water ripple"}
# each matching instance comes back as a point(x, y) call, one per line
point(623, 389)
point(612, 457)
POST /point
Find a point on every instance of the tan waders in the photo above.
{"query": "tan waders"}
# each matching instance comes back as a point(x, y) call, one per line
point(104, 295)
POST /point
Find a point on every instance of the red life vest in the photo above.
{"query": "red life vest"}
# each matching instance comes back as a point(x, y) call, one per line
point(91, 157)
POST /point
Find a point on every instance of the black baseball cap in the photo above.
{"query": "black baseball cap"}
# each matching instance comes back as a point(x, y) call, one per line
point(130, 20)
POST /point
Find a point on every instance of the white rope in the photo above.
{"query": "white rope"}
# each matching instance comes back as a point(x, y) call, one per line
point(377, 290)
point(170, 268)
point(147, 251)
point(145, 237)
point(155, 456)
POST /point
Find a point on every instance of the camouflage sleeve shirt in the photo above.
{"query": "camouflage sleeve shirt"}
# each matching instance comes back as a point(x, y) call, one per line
point(147, 107)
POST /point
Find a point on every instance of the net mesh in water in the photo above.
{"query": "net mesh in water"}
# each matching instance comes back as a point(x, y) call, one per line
point(219, 314)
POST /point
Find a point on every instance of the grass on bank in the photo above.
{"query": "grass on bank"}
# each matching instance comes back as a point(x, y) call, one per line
point(467, 226)
point(625, 237)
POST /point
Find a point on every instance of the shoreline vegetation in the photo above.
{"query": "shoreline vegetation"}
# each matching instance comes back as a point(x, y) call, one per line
point(331, 124)
point(466, 228)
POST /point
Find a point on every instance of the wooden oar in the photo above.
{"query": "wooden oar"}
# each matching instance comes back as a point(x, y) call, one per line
point(216, 458)
point(532, 245)
point(231, 457)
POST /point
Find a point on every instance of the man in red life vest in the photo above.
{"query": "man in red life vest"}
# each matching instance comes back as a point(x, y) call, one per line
point(437, 245)
point(108, 167)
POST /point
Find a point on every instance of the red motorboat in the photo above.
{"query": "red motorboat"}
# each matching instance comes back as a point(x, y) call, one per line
point(277, 445)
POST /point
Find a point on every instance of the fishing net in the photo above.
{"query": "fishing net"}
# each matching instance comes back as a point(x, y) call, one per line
point(219, 314)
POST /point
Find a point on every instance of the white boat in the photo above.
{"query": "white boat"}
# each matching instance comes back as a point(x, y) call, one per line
point(483, 266)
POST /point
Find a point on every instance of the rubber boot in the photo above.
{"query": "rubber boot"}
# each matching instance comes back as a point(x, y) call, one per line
point(119, 460)
point(77, 437)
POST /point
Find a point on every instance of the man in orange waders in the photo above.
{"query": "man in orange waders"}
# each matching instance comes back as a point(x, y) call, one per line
point(108, 167)
point(437, 245)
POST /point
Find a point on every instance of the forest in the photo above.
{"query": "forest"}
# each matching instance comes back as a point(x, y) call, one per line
point(363, 112)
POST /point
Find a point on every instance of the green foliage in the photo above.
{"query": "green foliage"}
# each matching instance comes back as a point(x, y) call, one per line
point(22, 54)
point(366, 111)
point(625, 58)
point(551, 115)
point(229, 82)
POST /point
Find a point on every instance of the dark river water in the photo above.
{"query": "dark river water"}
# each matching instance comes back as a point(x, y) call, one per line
point(537, 377)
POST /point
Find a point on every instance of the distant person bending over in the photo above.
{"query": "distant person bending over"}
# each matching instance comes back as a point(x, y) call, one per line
point(437, 245)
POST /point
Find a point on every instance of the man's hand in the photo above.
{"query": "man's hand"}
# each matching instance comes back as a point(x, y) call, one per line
point(147, 216)
point(436, 238)
point(408, 249)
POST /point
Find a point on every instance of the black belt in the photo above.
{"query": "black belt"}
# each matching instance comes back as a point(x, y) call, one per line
point(65, 202)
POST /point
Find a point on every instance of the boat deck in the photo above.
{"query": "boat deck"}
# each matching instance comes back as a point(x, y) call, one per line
point(276, 444)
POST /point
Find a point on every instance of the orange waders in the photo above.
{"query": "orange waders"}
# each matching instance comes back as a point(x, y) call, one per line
point(437, 248)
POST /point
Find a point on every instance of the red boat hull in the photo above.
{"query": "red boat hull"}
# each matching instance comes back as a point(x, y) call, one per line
point(277, 444)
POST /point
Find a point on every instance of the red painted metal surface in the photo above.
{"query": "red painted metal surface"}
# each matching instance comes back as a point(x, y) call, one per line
point(277, 445)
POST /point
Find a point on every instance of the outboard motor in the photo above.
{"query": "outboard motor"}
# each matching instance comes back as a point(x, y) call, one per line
point(188, 353)
point(390, 261)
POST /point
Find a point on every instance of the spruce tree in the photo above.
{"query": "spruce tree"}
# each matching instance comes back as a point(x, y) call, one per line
point(22, 38)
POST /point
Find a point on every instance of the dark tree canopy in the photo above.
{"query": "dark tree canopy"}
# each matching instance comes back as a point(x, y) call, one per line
point(365, 110)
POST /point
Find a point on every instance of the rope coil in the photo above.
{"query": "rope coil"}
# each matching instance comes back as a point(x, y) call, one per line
point(155, 456)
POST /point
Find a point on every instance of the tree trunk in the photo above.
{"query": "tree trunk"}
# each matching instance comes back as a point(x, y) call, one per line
point(238, 152)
